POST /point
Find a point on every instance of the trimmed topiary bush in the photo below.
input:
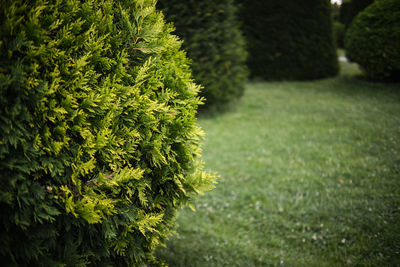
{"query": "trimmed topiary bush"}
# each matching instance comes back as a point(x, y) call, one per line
point(99, 142)
point(373, 40)
point(290, 40)
point(350, 9)
point(215, 45)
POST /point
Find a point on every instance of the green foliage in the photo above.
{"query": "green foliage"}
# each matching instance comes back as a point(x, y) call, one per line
point(373, 40)
point(289, 39)
point(339, 31)
point(99, 143)
point(335, 11)
point(350, 9)
point(215, 45)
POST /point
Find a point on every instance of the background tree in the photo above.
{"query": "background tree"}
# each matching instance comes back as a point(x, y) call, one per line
point(339, 29)
point(289, 39)
point(339, 32)
point(215, 45)
point(335, 11)
point(350, 8)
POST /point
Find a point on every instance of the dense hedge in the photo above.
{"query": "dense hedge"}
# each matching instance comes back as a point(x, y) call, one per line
point(373, 40)
point(215, 45)
point(99, 144)
point(349, 9)
point(289, 39)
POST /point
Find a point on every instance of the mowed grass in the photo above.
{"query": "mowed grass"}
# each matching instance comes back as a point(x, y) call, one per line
point(309, 176)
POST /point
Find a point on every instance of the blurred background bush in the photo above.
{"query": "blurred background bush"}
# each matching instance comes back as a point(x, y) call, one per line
point(289, 40)
point(214, 43)
point(373, 40)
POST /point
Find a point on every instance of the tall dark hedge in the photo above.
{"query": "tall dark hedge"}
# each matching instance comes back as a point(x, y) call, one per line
point(373, 40)
point(350, 9)
point(215, 44)
point(289, 39)
point(99, 144)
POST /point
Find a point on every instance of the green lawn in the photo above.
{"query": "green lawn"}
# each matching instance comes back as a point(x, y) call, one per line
point(310, 176)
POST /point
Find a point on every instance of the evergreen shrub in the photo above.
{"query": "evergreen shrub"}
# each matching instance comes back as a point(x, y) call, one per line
point(214, 43)
point(290, 40)
point(350, 9)
point(99, 143)
point(373, 40)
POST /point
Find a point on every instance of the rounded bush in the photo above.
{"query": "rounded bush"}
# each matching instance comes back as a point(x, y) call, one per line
point(99, 143)
point(373, 40)
point(215, 45)
point(289, 40)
